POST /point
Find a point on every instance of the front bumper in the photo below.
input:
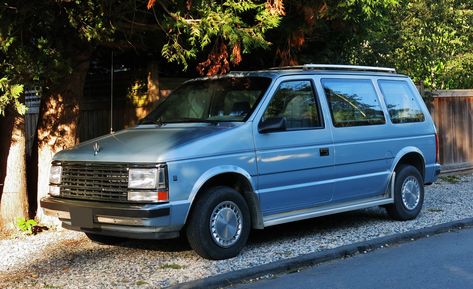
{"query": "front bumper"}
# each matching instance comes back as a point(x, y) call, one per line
point(138, 221)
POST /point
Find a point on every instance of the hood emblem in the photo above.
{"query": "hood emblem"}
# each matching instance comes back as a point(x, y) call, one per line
point(97, 148)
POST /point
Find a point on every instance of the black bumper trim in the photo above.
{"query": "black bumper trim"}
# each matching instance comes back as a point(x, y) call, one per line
point(121, 210)
point(129, 234)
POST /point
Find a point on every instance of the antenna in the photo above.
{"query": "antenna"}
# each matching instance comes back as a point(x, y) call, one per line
point(111, 95)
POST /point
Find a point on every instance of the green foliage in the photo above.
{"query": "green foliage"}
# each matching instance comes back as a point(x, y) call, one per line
point(10, 94)
point(326, 31)
point(452, 179)
point(434, 37)
point(236, 23)
point(458, 71)
point(429, 40)
point(171, 266)
point(35, 42)
point(42, 44)
point(25, 225)
point(29, 226)
point(362, 10)
point(137, 93)
point(92, 25)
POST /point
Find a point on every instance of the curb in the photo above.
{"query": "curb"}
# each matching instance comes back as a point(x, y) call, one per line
point(311, 259)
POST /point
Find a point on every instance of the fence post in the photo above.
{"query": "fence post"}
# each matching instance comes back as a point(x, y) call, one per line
point(422, 88)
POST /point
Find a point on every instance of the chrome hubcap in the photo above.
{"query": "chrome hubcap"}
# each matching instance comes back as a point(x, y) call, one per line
point(226, 224)
point(410, 192)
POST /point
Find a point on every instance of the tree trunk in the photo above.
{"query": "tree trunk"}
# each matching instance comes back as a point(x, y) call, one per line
point(57, 124)
point(14, 199)
point(153, 91)
point(6, 126)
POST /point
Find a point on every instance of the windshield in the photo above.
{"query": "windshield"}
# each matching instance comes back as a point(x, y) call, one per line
point(226, 99)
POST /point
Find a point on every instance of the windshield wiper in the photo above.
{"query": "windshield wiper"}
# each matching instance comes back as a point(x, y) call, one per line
point(178, 120)
point(151, 121)
point(188, 119)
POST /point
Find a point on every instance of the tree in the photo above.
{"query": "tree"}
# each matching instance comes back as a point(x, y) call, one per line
point(13, 195)
point(317, 31)
point(229, 27)
point(50, 44)
point(434, 38)
point(429, 40)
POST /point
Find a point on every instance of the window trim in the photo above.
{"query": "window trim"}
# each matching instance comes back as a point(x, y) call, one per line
point(315, 97)
point(378, 97)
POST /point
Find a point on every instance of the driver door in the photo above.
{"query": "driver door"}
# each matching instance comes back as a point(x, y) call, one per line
point(294, 163)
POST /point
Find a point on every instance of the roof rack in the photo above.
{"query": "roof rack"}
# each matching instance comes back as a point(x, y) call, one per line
point(336, 67)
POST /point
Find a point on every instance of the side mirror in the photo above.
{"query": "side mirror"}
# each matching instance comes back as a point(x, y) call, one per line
point(273, 124)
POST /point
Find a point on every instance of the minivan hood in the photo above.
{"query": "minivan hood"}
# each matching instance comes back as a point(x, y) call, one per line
point(145, 144)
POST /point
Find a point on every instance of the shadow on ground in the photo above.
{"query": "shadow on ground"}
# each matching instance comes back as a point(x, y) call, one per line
point(273, 233)
point(73, 256)
point(326, 224)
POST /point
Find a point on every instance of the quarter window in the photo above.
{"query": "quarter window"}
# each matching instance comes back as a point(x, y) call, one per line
point(295, 100)
point(401, 101)
point(353, 102)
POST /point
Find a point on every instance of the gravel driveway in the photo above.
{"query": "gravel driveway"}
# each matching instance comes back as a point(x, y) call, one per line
point(67, 259)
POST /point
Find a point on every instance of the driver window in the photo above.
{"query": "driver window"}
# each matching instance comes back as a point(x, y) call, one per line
point(295, 100)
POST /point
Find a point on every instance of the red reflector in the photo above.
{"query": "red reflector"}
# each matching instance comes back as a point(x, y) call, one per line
point(163, 196)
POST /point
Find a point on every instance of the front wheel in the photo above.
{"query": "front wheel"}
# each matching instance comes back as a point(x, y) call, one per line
point(408, 194)
point(219, 224)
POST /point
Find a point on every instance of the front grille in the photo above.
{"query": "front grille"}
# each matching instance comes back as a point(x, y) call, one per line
point(94, 182)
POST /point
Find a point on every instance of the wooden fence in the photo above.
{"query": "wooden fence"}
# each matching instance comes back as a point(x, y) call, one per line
point(452, 111)
point(94, 117)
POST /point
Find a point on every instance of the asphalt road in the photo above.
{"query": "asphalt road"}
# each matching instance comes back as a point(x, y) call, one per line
point(442, 261)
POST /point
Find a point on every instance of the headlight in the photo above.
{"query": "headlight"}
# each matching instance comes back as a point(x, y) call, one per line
point(148, 184)
point(142, 178)
point(55, 175)
point(55, 180)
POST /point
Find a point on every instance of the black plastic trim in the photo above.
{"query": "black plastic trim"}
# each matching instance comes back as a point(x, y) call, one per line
point(100, 208)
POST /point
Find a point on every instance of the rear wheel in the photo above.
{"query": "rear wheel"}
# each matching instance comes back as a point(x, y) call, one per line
point(408, 194)
point(219, 224)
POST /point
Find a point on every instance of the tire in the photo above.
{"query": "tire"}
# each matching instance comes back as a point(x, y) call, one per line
point(408, 194)
point(104, 240)
point(216, 240)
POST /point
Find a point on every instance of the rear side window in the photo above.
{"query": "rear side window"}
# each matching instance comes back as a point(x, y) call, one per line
point(401, 102)
point(353, 102)
point(295, 100)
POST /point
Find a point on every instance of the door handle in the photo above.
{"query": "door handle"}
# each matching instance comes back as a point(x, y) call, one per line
point(324, 152)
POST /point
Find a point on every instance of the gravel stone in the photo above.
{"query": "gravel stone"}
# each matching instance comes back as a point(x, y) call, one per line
point(67, 259)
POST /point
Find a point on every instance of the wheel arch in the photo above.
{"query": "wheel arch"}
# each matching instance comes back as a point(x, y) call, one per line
point(411, 156)
point(236, 178)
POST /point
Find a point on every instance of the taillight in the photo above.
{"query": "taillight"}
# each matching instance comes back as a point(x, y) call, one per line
point(436, 148)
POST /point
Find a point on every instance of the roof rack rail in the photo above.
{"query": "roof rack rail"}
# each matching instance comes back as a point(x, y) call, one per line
point(336, 67)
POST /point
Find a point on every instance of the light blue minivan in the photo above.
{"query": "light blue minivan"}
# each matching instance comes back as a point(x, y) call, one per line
point(222, 155)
